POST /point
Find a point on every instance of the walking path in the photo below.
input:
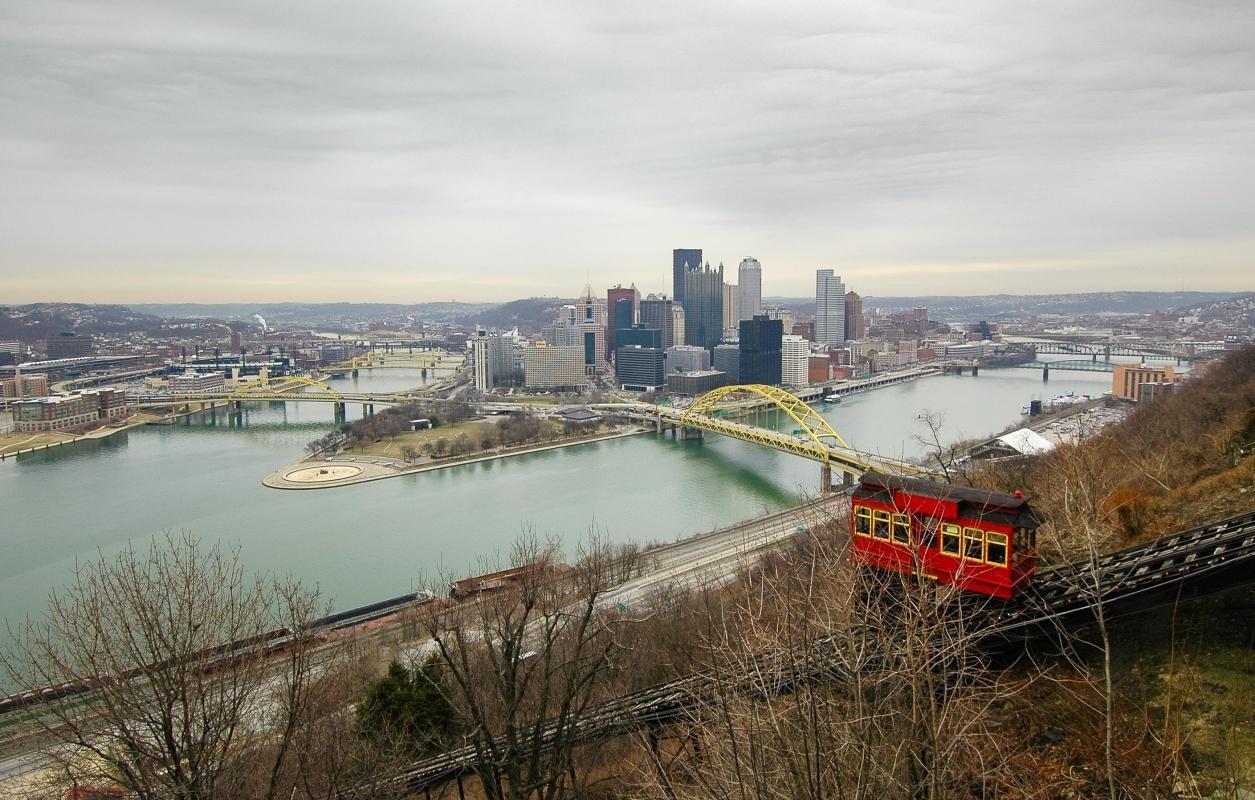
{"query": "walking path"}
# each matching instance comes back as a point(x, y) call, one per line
point(335, 471)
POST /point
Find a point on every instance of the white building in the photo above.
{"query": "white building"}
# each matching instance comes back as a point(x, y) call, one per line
point(829, 307)
point(794, 351)
point(190, 382)
point(750, 280)
point(548, 367)
point(731, 306)
point(677, 323)
point(492, 357)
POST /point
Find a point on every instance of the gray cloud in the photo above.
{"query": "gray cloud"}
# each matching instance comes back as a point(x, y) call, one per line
point(421, 150)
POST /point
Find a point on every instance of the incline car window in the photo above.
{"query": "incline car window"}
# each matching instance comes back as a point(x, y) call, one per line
point(863, 521)
point(973, 544)
point(880, 525)
point(901, 529)
point(996, 548)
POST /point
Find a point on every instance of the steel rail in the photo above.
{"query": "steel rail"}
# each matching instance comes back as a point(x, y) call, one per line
point(1133, 579)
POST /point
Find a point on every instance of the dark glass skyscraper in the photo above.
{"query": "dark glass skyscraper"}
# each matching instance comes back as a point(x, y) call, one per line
point(680, 257)
point(623, 314)
point(640, 336)
point(760, 350)
point(703, 306)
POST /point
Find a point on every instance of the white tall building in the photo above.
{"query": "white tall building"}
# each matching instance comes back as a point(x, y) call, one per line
point(731, 306)
point(829, 307)
point(750, 279)
point(677, 323)
point(794, 351)
point(492, 357)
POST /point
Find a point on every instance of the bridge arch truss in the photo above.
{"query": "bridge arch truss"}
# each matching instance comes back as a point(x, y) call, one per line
point(817, 429)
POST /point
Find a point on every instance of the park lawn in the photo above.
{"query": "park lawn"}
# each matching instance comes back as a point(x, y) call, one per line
point(21, 441)
point(416, 439)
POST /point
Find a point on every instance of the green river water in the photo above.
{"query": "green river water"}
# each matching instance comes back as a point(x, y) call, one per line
point(376, 540)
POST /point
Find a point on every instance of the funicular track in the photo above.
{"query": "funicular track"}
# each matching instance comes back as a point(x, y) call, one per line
point(1193, 562)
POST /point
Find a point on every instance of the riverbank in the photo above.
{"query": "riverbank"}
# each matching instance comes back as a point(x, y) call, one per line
point(20, 444)
point(336, 471)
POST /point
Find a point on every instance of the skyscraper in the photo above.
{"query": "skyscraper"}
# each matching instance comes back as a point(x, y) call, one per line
point(639, 360)
point(582, 325)
point(794, 351)
point(829, 307)
point(614, 320)
point(750, 279)
point(677, 324)
point(492, 356)
point(854, 330)
point(727, 359)
point(655, 312)
point(759, 360)
point(703, 306)
point(681, 261)
point(731, 306)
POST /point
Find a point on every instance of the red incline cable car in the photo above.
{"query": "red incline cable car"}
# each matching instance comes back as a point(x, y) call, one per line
point(978, 540)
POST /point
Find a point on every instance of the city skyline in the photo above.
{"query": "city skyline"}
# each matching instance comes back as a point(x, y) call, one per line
point(213, 152)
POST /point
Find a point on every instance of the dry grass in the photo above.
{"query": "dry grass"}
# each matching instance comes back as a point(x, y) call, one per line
point(393, 445)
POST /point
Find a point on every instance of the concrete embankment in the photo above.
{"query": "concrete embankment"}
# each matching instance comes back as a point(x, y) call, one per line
point(336, 471)
point(99, 433)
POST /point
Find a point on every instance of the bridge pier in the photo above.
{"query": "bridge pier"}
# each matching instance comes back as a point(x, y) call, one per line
point(691, 433)
point(825, 479)
point(975, 370)
point(340, 413)
point(1045, 373)
point(368, 409)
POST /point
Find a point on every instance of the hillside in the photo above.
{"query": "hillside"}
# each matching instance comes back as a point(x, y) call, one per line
point(41, 320)
point(528, 315)
point(331, 315)
point(997, 306)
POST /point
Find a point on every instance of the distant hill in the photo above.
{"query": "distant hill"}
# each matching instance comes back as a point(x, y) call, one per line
point(995, 306)
point(530, 314)
point(36, 321)
point(312, 315)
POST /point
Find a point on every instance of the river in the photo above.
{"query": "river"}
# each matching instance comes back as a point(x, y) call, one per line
point(376, 540)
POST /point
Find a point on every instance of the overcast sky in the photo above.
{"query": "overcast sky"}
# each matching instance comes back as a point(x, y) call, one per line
point(415, 151)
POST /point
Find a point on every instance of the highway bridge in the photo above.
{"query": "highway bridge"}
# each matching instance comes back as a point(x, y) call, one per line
point(1074, 365)
point(1181, 351)
point(809, 435)
point(384, 359)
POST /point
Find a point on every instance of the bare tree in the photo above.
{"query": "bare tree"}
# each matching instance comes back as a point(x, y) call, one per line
point(198, 675)
point(944, 457)
point(841, 682)
point(522, 664)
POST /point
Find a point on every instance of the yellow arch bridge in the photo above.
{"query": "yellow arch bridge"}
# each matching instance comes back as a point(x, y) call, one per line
point(746, 412)
point(742, 412)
